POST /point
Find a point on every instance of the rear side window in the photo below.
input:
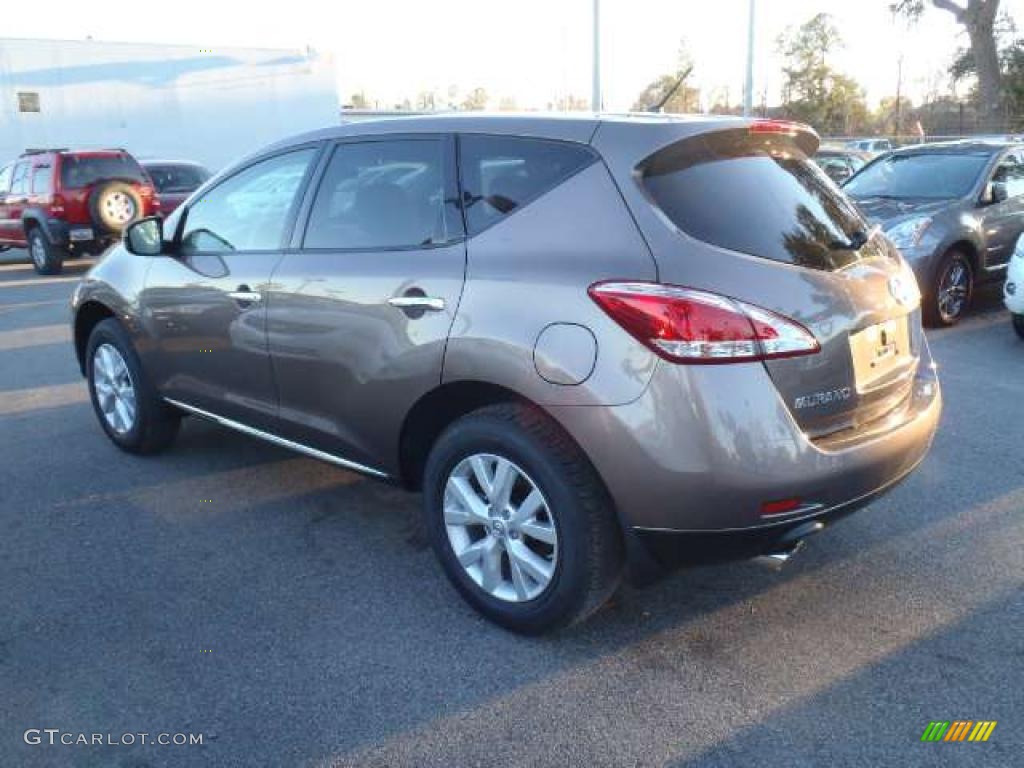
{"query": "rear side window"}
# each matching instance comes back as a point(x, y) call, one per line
point(78, 171)
point(42, 180)
point(5, 178)
point(501, 174)
point(383, 194)
point(757, 194)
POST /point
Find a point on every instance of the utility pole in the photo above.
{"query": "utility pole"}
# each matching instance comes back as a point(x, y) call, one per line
point(595, 92)
point(899, 95)
point(748, 86)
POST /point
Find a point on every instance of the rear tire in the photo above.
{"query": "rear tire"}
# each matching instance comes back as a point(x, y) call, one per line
point(1018, 325)
point(952, 290)
point(130, 411)
point(47, 258)
point(585, 551)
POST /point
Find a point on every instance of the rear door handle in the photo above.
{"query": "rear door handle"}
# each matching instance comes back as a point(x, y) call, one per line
point(245, 296)
point(431, 303)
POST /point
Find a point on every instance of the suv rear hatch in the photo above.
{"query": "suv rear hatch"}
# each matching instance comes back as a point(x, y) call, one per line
point(742, 211)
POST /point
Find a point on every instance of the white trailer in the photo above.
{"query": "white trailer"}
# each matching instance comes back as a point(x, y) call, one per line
point(159, 101)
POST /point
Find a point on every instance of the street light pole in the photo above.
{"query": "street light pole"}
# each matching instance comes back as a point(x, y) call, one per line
point(748, 86)
point(595, 91)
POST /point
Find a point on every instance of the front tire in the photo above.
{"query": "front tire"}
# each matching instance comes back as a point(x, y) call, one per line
point(520, 521)
point(134, 417)
point(1018, 325)
point(47, 258)
point(952, 290)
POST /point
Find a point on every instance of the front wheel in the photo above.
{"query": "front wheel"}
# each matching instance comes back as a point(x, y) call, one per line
point(1018, 325)
point(520, 521)
point(129, 410)
point(47, 258)
point(952, 290)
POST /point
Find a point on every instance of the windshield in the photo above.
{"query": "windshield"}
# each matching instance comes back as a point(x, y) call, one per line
point(83, 171)
point(921, 175)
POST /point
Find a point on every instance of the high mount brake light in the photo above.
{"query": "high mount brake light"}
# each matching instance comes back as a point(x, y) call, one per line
point(783, 127)
point(684, 325)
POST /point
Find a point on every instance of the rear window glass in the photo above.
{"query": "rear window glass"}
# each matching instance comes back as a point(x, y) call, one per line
point(177, 178)
point(501, 174)
point(77, 172)
point(756, 194)
point(937, 175)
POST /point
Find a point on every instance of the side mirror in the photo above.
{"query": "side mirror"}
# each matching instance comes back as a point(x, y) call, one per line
point(145, 237)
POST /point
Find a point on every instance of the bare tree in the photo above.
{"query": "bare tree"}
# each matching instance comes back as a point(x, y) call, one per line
point(978, 18)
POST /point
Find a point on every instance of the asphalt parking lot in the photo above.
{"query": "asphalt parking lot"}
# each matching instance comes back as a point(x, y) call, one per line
point(291, 613)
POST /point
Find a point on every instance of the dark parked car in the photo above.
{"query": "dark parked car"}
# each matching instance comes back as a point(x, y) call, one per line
point(60, 203)
point(873, 147)
point(175, 181)
point(954, 209)
point(840, 164)
point(586, 341)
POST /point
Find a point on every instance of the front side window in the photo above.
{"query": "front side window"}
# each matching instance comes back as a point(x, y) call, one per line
point(1010, 173)
point(754, 193)
point(248, 211)
point(501, 174)
point(924, 175)
point(383, 194)
point(19, 182)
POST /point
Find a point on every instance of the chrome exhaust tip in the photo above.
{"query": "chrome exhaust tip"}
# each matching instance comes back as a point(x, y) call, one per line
point(775, 560)
point(789, 545)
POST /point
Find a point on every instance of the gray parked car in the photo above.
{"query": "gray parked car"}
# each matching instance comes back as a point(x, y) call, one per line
point(954, 209)
point(590, 342)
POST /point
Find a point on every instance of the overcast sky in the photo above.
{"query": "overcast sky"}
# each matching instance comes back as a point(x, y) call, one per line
point(529, 50)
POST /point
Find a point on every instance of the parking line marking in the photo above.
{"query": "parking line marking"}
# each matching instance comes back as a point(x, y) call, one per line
point(30, 305)
point(25, 400)
point(40, 281)
point(36, 336)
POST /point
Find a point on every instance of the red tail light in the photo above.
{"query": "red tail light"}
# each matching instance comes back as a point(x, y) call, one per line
point(684, 325)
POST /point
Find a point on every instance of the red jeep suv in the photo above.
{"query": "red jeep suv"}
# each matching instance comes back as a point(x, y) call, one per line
point(59, 203)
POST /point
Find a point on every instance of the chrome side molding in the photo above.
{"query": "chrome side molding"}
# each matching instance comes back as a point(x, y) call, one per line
point(245, 429)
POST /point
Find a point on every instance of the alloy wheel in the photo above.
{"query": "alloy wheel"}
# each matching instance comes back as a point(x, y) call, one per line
point(500, 528)
point(954, 290)
point(37, 249)
point(119, 207)
point(115, 390)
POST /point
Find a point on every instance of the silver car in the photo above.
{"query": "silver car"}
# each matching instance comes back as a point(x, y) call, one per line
point(596, 345)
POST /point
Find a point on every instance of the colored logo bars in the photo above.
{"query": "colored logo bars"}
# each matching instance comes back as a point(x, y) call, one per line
point(958, 730)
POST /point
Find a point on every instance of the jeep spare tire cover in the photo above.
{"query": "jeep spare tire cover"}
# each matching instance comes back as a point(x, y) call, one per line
point(114, 205)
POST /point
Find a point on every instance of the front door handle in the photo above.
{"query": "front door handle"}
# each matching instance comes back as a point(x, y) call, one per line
point(431, 303)
point(244, 295)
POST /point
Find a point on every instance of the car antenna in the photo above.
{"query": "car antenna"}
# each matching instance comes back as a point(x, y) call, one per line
point(664, 99)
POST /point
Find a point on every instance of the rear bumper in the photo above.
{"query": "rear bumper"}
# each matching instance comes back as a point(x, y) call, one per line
point(705, 446)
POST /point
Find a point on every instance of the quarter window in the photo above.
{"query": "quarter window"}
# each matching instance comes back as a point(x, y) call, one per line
point(501, 174)
point(383, 194)
point(5, 178)
point(248, 211)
